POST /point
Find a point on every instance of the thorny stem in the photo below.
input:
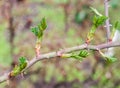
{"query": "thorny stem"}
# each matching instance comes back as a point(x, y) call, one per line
point(106, 5)
point(51, 55)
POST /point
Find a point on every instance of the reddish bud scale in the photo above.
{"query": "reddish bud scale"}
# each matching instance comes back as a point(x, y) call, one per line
point(87, 41)
point(10, 75)
point(110, 40)
point(37, 49)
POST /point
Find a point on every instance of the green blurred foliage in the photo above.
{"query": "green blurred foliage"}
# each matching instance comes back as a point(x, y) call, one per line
point(5, 58)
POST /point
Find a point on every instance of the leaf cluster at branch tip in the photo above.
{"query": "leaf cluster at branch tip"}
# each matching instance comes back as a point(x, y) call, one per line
point(38, 30)
point(18, 68)
point(98, 20)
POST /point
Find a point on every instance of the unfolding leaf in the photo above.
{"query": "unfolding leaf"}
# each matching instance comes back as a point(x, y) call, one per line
point(109, 59)
point(79, 56)
point(95, 11)
point(99, 20)
point(18, 68)
point(35, 30)
point(22, 60)
point(82, 54)
point(91, 33)
point(42, 26)
point(116, 26)
point(22, 63)
point(38, 30)
point(15, 71)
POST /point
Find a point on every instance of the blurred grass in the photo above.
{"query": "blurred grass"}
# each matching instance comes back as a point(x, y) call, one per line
point(5, 58)
point(53, 15)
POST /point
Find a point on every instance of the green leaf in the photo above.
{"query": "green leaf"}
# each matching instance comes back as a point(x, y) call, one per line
point(91, 33)
point(42, 26)
point(110, 59)
point(39, 29)
point(40, 34)
point(83, 53)
point(95, 11)
point(76, 56)
point(99, 20)
point(18, 68)
point(116, 26)
point(22, 63)
point(15, 71)
point(22, 60)
point(35, 30)
point(79, 56)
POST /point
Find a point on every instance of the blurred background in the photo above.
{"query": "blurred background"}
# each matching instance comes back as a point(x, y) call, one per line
point(68, 24)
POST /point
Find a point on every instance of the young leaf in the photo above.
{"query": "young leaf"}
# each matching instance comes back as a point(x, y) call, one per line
point(18, 68)
point(95, 11)
point(83, 53)
point(42, 26)
point(38, 30)
point(79, 56)
point(35, 30)
point(22, 60)
point(90, 34)
point(15, 71)
point(22, 63)
point(99, 20)
point(109, 59)
point(116, 26)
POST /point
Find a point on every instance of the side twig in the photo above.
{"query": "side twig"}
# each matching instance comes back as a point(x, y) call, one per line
point(106, 5)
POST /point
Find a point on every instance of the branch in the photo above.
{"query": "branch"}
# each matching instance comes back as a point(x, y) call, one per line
point(5, 76)
point(106, 5)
